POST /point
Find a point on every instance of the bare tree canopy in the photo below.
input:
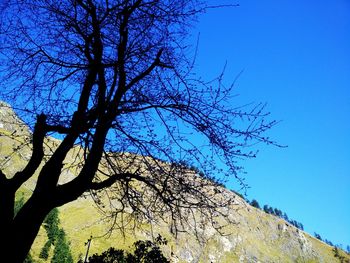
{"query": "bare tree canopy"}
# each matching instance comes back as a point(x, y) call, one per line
point(114, 80)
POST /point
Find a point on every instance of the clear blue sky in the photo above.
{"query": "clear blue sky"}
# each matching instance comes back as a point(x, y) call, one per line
point(296, 57)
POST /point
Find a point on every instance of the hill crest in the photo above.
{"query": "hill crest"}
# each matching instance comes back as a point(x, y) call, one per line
point(254, 237)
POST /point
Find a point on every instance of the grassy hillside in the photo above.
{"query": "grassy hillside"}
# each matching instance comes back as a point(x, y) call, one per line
point(255, 236)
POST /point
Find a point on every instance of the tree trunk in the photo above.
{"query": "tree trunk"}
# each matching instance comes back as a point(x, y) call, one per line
point(19, 233)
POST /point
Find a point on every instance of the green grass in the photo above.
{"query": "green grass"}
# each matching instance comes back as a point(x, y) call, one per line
point(260, 234)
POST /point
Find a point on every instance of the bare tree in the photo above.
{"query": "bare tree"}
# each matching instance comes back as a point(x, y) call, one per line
point(113, 79)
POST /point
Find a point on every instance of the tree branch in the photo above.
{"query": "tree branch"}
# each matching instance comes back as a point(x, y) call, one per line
point(72, 190)
point(37, 154)
point(143, 74)
point(111, 180)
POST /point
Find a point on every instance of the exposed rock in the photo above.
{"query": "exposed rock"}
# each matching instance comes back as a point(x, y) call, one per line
point(10, 122)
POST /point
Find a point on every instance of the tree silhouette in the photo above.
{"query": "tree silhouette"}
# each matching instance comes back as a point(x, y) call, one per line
point(145, 251)
point(114, 81)
point(318, 236)
point(255, 203)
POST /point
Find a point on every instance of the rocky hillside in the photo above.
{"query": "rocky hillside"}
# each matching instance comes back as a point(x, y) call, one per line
point(253, 237)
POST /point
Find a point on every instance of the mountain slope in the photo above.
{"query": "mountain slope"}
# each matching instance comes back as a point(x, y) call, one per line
point(254, 237)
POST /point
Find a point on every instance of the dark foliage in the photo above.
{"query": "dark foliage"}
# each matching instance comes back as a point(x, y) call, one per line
point(277, 212)
point(318, 236)
point(61, 253)
point(328, 242)
point(255, 203)
point(57, 238)
point(144, 252)
point(112, 255)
